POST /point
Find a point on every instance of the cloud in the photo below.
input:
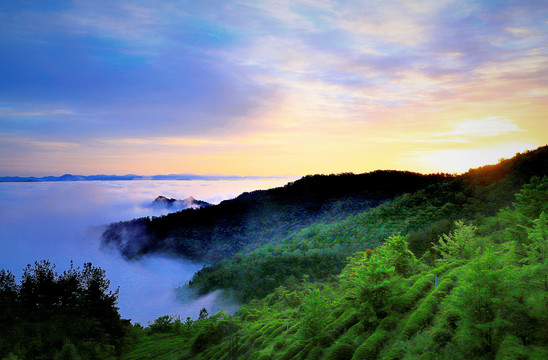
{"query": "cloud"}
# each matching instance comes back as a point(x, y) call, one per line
point(214, 73)
point(62, 221)
point(125, 21)
point(11, 146)
point(491, 126)
point(11, 112)
point(519, 31)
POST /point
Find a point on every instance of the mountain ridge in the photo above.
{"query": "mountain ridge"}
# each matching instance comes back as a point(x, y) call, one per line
point(132, 177)
point(255, 218)
point(189, 202)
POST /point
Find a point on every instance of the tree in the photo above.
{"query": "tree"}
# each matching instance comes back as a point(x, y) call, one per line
point(68, 352)
point(8, 309)
point(458, 244)
point(38, 292)
point(530, 202)
point(478, 298)
point(163, 324)
point(374, 288)
point(395, 248)
point(314, 315)
point(537, 248)
point(203, 314)
point(46, 310)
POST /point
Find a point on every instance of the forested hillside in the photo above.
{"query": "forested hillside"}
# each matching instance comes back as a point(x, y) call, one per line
point(479, 292)
point(321, 250)
point(254, 219)
point(455, 270)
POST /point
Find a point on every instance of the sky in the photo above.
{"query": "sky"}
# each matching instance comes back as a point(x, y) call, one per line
point(262, 87)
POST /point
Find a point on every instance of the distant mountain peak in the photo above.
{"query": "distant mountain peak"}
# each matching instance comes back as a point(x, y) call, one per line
point(188, 203)
point(71, 177)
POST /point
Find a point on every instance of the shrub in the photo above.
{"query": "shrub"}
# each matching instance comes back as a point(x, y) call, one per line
point(511, 348)
point(314, 315)
point(340, 351)
point(343, 323)
point(372, 346)
point(258, 342)
point(303, 354)
point(354, 332)
point(315, 354)
point(268, 329)
point(390, 322)
point(445, 286)
point(452, 317)
point(280, 329)
point(254, 336)
point(265, 357)
point(421, 287)
point(11, 357)
point(441, 336)
point(396, 353)
point(210, 334)
point(538, 352)
point(420, 317)
point(292, 351)
point(279, 345)
point(324, 340)
point(161, 324)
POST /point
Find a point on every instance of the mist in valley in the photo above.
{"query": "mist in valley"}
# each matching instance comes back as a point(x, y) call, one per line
point(63, 221)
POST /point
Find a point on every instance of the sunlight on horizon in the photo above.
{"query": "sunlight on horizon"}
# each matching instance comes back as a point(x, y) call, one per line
point(276, 88)
point(457, 161)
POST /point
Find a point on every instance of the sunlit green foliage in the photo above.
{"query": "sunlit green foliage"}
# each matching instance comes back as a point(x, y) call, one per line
point(315, 312)
point(446, 207)
point(536, 249)
point(459, 244)
point(480, 298)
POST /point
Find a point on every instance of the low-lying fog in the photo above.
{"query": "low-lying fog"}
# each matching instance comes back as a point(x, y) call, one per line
point(60, 222)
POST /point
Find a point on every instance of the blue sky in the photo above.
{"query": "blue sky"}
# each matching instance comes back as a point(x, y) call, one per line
point(269, 87)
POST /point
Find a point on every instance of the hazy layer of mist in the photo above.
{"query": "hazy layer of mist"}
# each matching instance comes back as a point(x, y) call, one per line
point(62, 221)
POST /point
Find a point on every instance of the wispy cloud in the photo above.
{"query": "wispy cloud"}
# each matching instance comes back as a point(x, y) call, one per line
point(216, 74)
point(46, 112)
point(491, 126)
point(17, 143)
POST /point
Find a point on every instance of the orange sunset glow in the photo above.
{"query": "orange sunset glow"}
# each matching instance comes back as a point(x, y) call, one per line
point(271, 88)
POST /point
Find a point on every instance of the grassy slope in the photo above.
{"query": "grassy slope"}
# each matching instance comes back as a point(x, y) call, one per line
point(414, 320)
point(320, 250)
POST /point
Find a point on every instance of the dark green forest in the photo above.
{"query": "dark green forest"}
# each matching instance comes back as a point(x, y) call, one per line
point(59, 316)
point(254, 219)
point(384, 265)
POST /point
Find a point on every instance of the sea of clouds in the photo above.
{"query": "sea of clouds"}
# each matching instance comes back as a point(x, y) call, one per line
point(62, 222)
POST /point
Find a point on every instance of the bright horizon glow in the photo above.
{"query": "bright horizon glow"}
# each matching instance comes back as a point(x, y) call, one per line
point(269, 88)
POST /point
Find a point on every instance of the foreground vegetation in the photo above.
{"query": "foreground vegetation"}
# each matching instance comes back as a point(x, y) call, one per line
point(59, 316)
point(481, 292)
